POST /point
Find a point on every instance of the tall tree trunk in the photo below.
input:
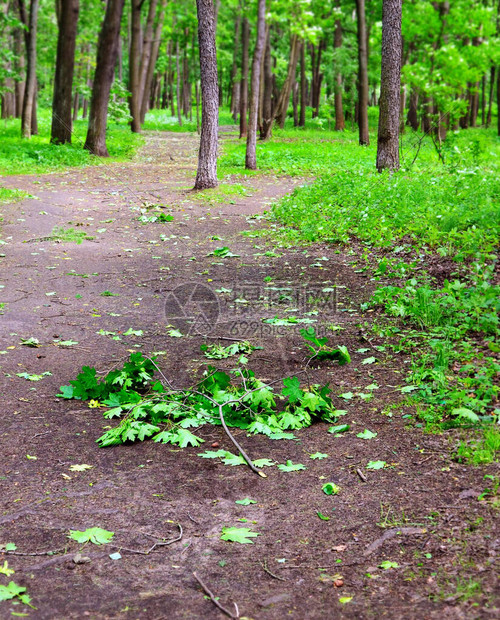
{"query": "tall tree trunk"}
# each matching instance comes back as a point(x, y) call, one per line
point(390, 86)
point(303, 84)
point(153, 57)
point(339, 108)
point(29, 103)
point(245, 39)
point(134, 66)
point(19, 66)
point(317, 77)
point(60, 132)
point(147, 49)
point(107, 54)
point(178, 71)
point(364, 136)
point(267, 95)
point(235, 86)
point(490, 97)
point(412, 116)
point(284, 97)
point(251, 156)
point(207, 160)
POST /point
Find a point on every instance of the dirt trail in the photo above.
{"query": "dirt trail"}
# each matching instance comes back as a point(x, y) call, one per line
point(53, 291)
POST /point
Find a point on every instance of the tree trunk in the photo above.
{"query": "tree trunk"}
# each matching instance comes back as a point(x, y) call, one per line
point(284, 97)
point(364, 136)
point(412, 116)
point(153, 57)
point(60, 132)
point(339, 108)
point(267, 95)
point(390, 86)
point(107, 54)
point(207, 160)
point(245, 37)
point(490, 98)
point(147, 50)
point(235, 86)
point(317, 77)
point(178, 70)
point(303, 84)
point(134, 66)
point(251, 156)
point(29, 103)
point(19, 65)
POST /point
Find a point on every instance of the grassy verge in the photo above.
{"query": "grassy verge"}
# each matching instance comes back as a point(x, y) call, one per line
point(430, 232)
point(37, 155)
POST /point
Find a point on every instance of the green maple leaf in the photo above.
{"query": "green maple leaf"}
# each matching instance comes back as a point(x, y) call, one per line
point(185, 438)
point(245, 502)
point(10, 591)
point(292, 389)
point(318, 455)
point(263, 463)
point(376, 465)
point(233, 459)
point(211, 454)
point(240, 535)
point(386, 564)
point(366, 434)
point(291, 466)
point(95, 535)
point(330, 488)
point(340, 428)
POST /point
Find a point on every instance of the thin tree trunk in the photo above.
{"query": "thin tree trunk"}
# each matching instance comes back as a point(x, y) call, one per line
point(364, 136)
point(134, 66)
point(153, 57)
point(390, 87)
point(178, 69)
point(207, 160)
point(412, 116)
point(339, 108)
point(107, 54)
point(19, 65)
point(235, 86)
point(267, 95)
point(303, 84)
point(284, 97)
point(490, 97)
point(317, 77)
point(60, 132)
point(147, 50)
point(29, 102)
point(251, 156)
point(245, 37)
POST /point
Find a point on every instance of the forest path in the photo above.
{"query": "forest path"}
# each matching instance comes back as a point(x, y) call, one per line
point(123, 278)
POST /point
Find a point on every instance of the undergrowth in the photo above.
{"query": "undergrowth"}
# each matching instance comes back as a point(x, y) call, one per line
point(37, 155)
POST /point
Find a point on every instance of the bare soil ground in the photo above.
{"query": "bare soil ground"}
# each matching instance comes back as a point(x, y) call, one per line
point(421, 511)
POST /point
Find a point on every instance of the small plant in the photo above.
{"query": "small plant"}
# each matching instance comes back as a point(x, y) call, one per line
point(319, 349)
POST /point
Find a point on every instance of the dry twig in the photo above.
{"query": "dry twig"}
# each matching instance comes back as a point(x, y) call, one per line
point(212, 597)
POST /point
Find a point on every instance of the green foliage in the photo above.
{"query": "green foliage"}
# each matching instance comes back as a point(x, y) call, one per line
point(241, 535)
point(18, 156)
point(95, 535)
point(166, 415)
point(320, 350)
point(481, 449)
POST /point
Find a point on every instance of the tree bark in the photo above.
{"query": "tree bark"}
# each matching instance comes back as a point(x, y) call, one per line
point(29, 102)
point(251, 156)
point(412, 116)
point(147, 50)
point(245, 37)
point(207, 160)
point(339, 108)
point(267, 95)
point(284, 97)
point(19, 65)
point(303, 85)
point(60, 132)
point(490, 97)
point(235, 86)
point(390, 86)
point(153, 57)
point(107, 54)
point(178, 83)
point(364, 136)
point(317, 77)
point(134, 65)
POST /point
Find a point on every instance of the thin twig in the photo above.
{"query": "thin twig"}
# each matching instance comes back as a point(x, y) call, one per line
point(153, 547)
point(216, 602)
point(50, 552)
point(266, 569)
point(361, 475)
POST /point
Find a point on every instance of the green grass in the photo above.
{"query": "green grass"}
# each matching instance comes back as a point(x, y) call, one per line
point(37, 155)
point(11, 195)
point(428, 208)
point(161, 120)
